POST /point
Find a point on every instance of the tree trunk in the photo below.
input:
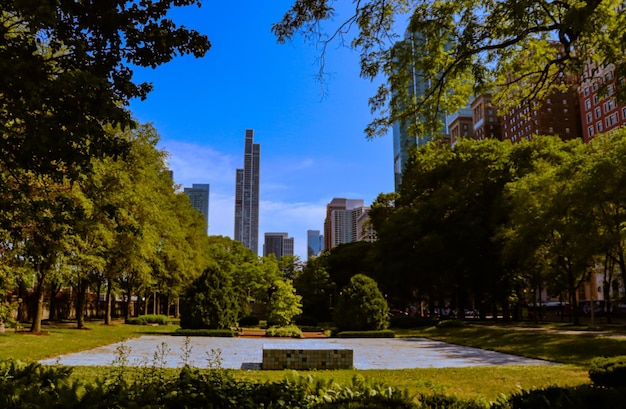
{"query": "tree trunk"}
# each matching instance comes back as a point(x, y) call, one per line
point(107, 314)
point(81, 291)
point(38, 313)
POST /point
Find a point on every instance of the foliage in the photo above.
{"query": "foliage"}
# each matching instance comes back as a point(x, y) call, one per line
point(249, 321)
point(438, 400)
point(59, 58)
point(463, 48)
point(313, 283)
point(361, 306)
point(385, 333)
point(403, 321)
point(289, 331)
point(204, 332)
point(554, 397)
point(149, 319)
point(608, 372)
point(210, 302)
point(284, 303)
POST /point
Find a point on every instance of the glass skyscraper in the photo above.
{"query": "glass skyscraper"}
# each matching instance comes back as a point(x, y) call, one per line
point(199, 197)
point(247, 195)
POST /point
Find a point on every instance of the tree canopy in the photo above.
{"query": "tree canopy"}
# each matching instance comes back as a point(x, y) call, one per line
point(67, 70)
point(520, 50)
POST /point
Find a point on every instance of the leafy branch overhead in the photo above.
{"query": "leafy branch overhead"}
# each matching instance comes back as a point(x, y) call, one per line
point(520, 50)
point(67, 69)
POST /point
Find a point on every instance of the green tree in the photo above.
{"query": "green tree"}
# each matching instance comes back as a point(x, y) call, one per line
point(465, 47)
point(317, 290)
point(284, 303)
point(210, 302)
point(361, 306)
point(68, 70)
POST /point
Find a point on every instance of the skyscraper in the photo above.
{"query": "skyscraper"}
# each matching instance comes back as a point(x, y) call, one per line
point(314, 243)
point(341, 223)
point(278, 244)
point(199, 198)
point(247, 195)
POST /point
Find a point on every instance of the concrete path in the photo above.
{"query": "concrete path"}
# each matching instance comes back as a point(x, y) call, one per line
point(247, 353)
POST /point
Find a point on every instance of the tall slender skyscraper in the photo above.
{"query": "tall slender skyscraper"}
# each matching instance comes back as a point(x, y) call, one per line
point(199, 198)
point(247, 195)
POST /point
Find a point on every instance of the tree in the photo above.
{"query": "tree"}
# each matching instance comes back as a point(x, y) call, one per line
point(67, 71)
point(210, 302)
point(317, 290)
point(284, 303)
point(464, 47)
point(361, 306)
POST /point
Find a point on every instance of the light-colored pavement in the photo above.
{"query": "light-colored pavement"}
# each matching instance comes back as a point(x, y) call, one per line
point(237, 353)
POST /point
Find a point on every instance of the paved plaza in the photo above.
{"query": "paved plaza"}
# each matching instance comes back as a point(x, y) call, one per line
point(247, 353)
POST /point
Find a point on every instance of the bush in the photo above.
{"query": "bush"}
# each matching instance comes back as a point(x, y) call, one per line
point(554, 397)
point(149, 319)
point(249, 321)
point(404, 322)
point(361, 306)
point(451, 324)
point(284, 303)
point(290, 331)
point(438, 400)
point(210, 302)
point(305, 321)
point(204, 332)
point(386, 333)
point(609, 372)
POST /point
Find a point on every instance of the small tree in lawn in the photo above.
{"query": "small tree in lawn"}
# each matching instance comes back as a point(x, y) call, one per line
point(361, 306)
point(284, 303)
point(210, 302)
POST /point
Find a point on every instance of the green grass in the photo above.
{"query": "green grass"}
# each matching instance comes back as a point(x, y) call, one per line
point(577, 348)
point(574, 351)
point(63, 339)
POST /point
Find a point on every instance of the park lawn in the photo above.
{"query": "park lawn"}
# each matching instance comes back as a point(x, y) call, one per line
point(62, 339)
point(573, 350)
point(572, 347)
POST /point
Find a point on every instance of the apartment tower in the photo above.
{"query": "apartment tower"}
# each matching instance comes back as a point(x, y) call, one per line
point(199, 197)
point(247, 195)
point(278, 244)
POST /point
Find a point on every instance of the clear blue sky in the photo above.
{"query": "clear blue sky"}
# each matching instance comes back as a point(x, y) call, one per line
point(312, 143)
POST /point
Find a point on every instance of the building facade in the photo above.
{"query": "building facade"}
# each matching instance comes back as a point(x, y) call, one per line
point(278, 244)
point(341, 223)
point(486, 123)
point(247, 195)
point(198, 195)
point(599, 110)
point(314, 243)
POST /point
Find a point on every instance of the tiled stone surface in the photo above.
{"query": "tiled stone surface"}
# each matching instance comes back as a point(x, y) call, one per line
point(236, 353)
point(307, 359)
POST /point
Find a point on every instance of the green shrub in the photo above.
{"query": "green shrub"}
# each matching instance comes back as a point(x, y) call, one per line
point(249, 321)
point(290, 331)
point(386, 333)
point(210, 302)
point(609, 372)
point(284, 303)
point(149, 319)
point(405, 322)
point(204, 332)
point(361, 306)
point(554, 397)
point(438, 400)
point(451, 324)
point(305, 321)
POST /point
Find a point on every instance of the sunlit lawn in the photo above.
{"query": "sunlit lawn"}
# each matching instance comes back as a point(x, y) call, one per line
point(574, 351)
point(57, 340)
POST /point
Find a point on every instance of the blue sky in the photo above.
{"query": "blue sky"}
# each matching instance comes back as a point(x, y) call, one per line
point(312, 143)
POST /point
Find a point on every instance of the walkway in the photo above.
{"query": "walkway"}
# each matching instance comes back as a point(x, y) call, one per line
point(246, 353)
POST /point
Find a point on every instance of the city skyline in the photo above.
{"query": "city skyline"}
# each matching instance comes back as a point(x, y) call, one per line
point(199, 194)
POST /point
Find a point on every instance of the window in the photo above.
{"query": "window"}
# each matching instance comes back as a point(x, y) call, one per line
point(599, 126)
point(595, 99)
point(565, 110)
point(624, 113)
point(548, 101)
point(595, 86)
point(589, 117)
point(590, 131)
point(587, 104)
point(598, 112)
point(551, 129)
point(586, 91)
point(564, 102)
point(566, 130)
